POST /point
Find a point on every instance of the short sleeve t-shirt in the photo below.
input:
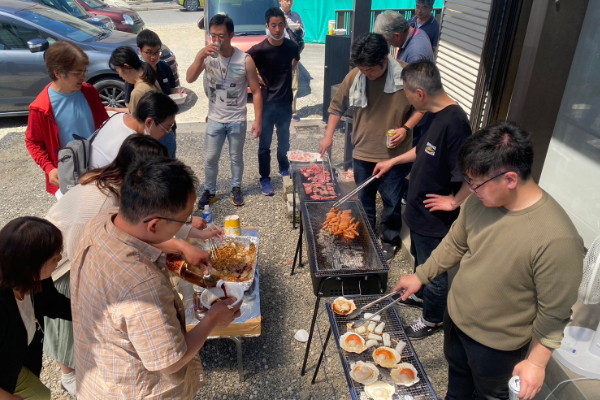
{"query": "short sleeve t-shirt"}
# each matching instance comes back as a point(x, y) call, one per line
point(435, 172)
point(165, 77)
point(416, 48)
point(431, 28)
point(274, 63)
point(72, 114)
point(227, 87)
point(108, 141)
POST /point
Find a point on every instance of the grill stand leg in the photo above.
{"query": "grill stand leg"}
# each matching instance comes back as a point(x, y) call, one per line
point(294, 202)
point(321, 356)
point(312, 329)
point(298, 249)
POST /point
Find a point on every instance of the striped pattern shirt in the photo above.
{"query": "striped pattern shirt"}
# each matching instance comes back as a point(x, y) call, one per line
point(128, 320)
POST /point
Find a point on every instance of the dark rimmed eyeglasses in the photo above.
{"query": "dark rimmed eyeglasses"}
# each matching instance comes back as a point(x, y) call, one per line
point(186, 222)
point(152, 53)
point(475, 188)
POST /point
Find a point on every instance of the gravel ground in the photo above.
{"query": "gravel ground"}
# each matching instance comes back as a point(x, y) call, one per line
point(272, 361)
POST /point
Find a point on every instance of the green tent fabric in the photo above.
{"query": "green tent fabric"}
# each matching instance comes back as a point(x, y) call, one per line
point(316, 13)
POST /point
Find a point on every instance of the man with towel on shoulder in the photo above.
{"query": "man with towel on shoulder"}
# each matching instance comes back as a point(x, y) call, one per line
point(374, 88)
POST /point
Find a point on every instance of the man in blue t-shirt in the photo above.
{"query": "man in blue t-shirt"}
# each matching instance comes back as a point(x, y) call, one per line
point(413, 44)
point(426, 22)
point(149, 47)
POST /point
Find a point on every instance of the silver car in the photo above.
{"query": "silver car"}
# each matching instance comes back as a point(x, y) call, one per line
point(26, 31)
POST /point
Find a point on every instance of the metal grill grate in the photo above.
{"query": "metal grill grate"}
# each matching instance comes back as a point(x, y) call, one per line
point(333, 257)
point(423, 390)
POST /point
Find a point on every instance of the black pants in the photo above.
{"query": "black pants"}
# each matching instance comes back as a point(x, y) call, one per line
point(476, 371)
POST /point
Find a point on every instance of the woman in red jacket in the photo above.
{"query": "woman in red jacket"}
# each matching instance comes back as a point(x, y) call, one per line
point(65, 107)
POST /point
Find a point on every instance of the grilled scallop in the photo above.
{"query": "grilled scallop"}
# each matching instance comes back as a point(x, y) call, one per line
point(352, 343)
point(404, 374)
point(343, 306)
point(386, 356)
point(364, 372)
point(380, 391)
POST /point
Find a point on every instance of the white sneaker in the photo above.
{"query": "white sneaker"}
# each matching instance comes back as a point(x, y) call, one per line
point(69, 383)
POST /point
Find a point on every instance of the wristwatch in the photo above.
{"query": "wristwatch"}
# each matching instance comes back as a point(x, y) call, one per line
point(408, 130)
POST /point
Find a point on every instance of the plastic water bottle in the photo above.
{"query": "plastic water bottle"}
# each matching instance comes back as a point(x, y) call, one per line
point(207, 214)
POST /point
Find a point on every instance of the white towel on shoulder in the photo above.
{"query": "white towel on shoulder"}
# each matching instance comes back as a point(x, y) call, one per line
point(393, 83)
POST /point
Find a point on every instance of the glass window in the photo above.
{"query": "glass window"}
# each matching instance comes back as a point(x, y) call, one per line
point(14, 36)
point(96, 4)
point(248, 15)
point(63, 24)
point(572, 167)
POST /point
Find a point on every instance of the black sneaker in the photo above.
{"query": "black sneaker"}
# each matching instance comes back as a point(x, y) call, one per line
point(412, 301)
point(236, 197)
point(207, 198)
point(420, 329)
point(389, 251)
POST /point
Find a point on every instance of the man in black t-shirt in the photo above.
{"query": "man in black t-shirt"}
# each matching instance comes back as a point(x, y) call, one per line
point(437, 187)
point(275, 58)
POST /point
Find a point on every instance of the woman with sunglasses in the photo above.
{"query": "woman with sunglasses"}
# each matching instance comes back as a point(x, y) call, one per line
point(97, 192)
point(143, 77)
point(30, 250)
point(65, 107)
point(154, 116)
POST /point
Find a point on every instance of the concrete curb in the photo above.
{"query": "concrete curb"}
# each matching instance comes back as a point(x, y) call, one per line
point(155, 6)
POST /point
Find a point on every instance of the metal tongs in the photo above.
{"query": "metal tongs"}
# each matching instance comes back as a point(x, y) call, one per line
point(351, 193)
point(359, 311)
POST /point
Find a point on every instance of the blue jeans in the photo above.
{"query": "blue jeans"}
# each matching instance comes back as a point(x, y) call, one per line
point(280, 117)
point(435, 294)
point(476, 371)
point(216, 132)
point(390, 188)
point(170, 143)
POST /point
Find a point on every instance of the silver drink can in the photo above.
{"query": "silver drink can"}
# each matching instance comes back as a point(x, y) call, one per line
point(514, 387)
point(215, 55)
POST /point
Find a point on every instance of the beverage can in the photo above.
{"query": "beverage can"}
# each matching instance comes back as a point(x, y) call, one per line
point(331, 27)
point(388, 138)
point(233, 227)
point(215, 55)
point(514, 387)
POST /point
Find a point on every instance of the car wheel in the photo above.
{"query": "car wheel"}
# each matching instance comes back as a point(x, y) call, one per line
point(192, 5)
point(112, 92)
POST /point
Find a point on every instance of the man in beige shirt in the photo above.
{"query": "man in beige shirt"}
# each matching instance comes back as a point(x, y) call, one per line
point(520, 267)
point(128, 320)
point(375, 89)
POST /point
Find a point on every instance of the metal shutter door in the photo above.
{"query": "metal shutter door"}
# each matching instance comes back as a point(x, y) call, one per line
point(462, 36)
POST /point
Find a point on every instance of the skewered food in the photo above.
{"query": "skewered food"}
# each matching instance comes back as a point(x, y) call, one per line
point(343, 306)
point(364, 372)
point(352, 343)
point(380, 391)
point(404, 374)
point(341, 224)
point(386, 357)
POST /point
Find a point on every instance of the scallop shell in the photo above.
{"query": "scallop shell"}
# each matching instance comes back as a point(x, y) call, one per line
point(404, 374)
point(380, 391)
point(352, 342)
point(386, 356)
point(364, 372)
point(343, 306)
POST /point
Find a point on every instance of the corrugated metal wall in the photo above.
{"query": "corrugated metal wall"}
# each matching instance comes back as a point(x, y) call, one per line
point(462, 36)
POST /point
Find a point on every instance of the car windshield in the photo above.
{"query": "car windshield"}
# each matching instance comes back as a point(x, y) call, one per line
point(248, 15)
point(71, 7)
point(96, 4)
point(61, 23)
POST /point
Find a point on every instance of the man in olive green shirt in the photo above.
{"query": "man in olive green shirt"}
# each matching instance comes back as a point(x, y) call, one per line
point(520, 267)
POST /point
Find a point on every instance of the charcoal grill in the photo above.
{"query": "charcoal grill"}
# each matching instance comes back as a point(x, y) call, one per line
point(422, 390)
point(338, 269)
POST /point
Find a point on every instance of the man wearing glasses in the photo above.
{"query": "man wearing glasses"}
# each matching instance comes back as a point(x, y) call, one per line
point(520, 267)
point(229, 73)
point(149, 46)
point(426, 22)
point(129, 323)
point(436, 187)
